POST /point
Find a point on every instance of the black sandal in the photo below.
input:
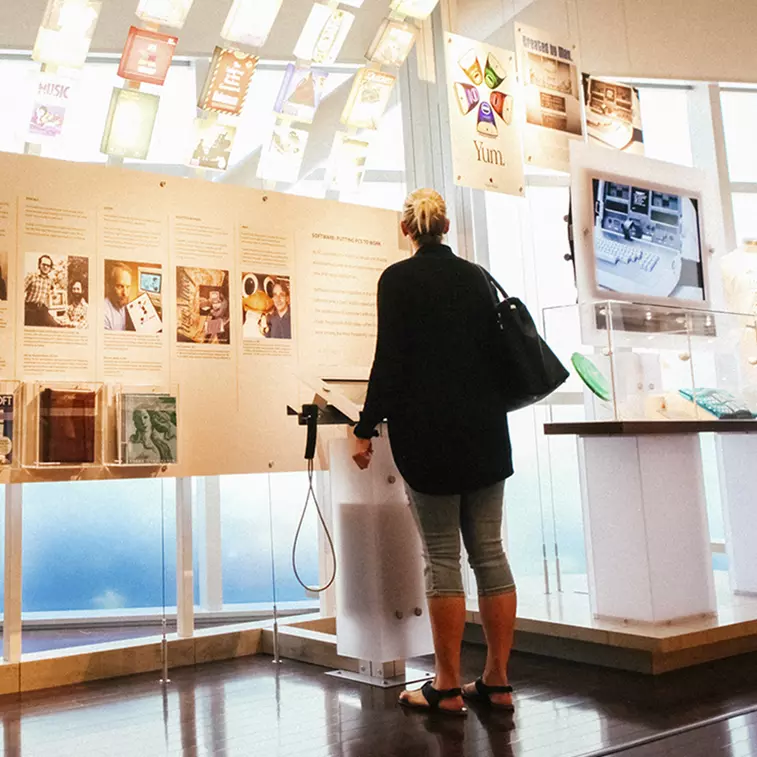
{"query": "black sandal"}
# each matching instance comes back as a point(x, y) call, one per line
point(434, 697)
point(483, 694)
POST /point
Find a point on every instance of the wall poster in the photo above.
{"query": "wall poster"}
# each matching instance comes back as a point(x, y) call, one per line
point(483, 107)
point(613, 114)
point(548, 69)
point(158, 286)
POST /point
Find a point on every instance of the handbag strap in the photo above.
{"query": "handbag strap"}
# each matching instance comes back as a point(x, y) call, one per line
point(493, 285)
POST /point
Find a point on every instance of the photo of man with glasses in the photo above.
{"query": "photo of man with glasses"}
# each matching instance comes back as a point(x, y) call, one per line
point(37, 295)
point(57, 292)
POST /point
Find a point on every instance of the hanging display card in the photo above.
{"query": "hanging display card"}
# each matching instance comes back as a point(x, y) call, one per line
point(613, 114)
point(483, 105)
point(548, 69)
point(49, 110)
point(228, 81)
point(147, 56)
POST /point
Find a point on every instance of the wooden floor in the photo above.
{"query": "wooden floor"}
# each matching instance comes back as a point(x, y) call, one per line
point(253, 707)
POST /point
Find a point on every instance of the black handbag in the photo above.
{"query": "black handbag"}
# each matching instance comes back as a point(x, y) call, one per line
point(525, 368)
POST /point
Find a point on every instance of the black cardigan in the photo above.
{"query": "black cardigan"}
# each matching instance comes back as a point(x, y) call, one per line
point(431, 378)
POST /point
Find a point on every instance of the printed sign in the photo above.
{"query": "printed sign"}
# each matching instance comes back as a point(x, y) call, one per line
point(483, 106)
point(613, 114)
point(549, 72)
point(50, 103)
point(147, 56)
point(228, 81)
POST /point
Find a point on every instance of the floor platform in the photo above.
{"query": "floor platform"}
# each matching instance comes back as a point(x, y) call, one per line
point(558, 625)
point(561, 625)
point(249, 707)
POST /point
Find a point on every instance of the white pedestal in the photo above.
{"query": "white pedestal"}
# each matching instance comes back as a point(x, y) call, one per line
point(645, 523)
point(381, 614)
point(737, 468)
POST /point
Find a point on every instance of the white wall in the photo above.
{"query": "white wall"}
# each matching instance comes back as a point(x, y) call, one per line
point(20, 19)
point(708, 40)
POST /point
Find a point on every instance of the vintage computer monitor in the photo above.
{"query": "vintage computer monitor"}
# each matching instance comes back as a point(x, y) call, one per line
point(151, 281)
point(640, 239)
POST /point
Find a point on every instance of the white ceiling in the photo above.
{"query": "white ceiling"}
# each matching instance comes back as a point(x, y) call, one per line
point(20, 19)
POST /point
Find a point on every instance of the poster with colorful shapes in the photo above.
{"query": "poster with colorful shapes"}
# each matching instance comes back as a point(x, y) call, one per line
point(483, 107)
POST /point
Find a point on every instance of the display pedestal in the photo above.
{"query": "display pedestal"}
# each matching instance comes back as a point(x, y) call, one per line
point(645, 518)
point(737, 467)
point(382, 616)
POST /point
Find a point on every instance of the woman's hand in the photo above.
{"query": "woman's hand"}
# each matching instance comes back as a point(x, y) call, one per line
point(362, 451)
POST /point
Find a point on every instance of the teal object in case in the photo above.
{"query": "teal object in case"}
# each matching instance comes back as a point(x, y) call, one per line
point(723, 405)
point(591, 376)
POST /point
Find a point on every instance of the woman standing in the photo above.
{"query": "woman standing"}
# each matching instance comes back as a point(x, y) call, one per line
point(433, 383)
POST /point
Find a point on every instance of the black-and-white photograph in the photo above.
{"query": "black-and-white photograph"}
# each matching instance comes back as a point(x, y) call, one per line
point(56, 291)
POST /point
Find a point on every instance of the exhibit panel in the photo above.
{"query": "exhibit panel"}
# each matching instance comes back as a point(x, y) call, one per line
point(171, 286)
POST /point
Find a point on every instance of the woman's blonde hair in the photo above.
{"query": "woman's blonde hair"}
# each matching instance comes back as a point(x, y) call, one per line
point(425, 215)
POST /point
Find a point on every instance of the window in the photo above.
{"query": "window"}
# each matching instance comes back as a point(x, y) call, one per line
point(96, 546)
point(665, 120)
point(739, 117)
point(246, 538)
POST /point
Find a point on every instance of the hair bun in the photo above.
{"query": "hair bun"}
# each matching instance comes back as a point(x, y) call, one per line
point(425, 214)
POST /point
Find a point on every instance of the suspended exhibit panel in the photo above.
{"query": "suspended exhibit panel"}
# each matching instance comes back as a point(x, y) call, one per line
point(548, 69)
point(147, 56)
point(51, 102)
point(171, 13)
point(138, 289)
point(250, 21)
point(324, 33)
point(613, 114)
point(66, 32)
point(484, 112)
point(130, 124)
point(228, 81)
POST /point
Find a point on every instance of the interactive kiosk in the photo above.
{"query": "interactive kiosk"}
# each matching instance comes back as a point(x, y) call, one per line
point(381, 611)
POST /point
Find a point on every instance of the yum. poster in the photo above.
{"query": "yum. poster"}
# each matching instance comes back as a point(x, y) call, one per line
point(484, 113)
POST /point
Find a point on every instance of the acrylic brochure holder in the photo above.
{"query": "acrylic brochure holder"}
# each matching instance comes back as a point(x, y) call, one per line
point(143, 426)
point(10, 425)
point(63, 420)
point(382, 617)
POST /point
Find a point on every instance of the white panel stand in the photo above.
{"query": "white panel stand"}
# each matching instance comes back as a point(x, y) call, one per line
point(382, 616)
point(645, 523)
point(12, 586)
point(737, 469)
point(184, 566)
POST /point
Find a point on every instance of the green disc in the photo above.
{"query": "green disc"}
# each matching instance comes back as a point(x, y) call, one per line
point(591, 376)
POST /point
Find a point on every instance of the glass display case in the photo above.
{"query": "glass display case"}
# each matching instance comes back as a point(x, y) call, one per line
point(632, 362)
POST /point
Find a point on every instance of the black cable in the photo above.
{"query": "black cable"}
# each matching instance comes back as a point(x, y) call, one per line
point(311, 493)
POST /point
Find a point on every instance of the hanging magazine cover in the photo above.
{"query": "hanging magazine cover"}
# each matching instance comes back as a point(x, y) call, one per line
point(368, 99)
point(300, 93)
point(148, 426)
point(6, 429)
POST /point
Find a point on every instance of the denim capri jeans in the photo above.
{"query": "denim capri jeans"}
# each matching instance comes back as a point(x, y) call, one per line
point(478, 516)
